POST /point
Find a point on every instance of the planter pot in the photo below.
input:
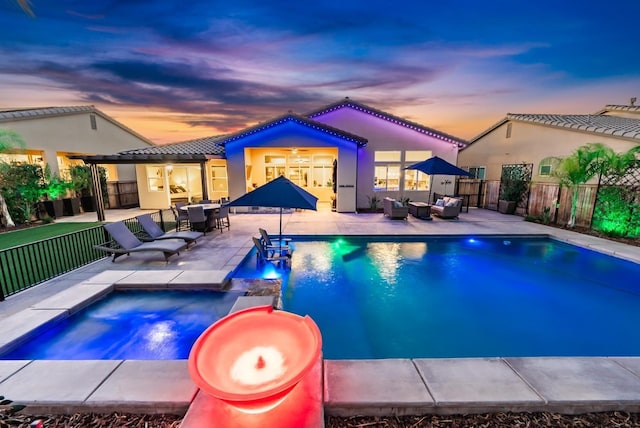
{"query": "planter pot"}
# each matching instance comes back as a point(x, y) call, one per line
point(54, 208)
point(88, 204)
point(71, 206)
point(507, 207)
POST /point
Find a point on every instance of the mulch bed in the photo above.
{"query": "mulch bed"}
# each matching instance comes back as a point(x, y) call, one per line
point(529, 420)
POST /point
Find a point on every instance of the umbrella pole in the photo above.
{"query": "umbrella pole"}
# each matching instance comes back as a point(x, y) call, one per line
point(280, 242)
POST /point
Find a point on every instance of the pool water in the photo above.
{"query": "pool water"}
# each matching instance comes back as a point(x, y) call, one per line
point(461, 297)
point(132, 325)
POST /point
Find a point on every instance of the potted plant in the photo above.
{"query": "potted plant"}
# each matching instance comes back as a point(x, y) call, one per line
point(512, 192)
point(55, 188)
point(81, 185)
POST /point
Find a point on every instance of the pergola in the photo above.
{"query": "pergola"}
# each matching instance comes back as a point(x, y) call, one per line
point(141, 158)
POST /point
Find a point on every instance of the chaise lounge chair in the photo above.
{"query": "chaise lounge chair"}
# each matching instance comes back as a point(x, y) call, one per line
point(266, 256)
point(129, 243)
point(154, 231)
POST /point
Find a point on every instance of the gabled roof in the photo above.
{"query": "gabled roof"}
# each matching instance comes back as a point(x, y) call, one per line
point(611, 126)
point(617, 107)
point(302, 120)
point(11, 115)
point(348, 103)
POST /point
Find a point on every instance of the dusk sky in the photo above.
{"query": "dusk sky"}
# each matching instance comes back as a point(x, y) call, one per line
point(177, 70)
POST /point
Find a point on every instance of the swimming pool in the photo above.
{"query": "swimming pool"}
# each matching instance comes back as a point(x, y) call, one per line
point(132, 325)
point(461, 297)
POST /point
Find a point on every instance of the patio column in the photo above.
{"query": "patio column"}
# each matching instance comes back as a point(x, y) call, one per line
point(203, 178)
point(97, 191)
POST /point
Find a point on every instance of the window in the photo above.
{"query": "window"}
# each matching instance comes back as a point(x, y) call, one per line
point(92, 119)
point(415, 180)
point(322, 171)
point(508, 130)
point(155, 178)
point(275, 166)
point(387, 170)
point(387, 177)
point(547, 165)
point(477, 171)
point(219, 182)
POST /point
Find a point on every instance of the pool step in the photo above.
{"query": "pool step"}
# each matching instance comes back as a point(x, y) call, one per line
point(175, 279)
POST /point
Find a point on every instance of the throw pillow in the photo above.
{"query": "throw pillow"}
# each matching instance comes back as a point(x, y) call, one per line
point(397, 204)
point(440, 203)
point(452, 203)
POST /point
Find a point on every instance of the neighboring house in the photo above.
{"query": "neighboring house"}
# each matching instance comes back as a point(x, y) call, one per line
point(54, 134)
point(539, 139)
point(369, 148)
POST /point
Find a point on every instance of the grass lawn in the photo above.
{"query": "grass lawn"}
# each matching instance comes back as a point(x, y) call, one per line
point(37, 233)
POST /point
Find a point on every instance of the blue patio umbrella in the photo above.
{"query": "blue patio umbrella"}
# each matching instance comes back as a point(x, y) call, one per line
point(438, 166)
point(279, 193)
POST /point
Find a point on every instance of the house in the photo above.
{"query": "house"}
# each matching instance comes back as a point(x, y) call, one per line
point(346, 151)
point(540, 139)
point(53, 135)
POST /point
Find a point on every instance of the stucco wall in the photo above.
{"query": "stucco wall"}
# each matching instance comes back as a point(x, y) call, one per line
point(73, 134)
point(250, 151)
point(529, 143)
point(385, 135)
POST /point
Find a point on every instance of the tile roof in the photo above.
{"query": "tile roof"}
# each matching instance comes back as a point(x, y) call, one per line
point(348, 103)
point(199, 146)
point(32, 113)
point(598, 124)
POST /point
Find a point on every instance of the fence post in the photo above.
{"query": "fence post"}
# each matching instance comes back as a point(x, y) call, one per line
point(162, 221)
point(478, 202)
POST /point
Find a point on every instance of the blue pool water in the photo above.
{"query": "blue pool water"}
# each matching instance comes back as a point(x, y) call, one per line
point(461, 297)
point(133, 325)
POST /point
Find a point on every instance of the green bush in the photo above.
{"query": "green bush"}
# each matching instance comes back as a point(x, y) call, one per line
point(21, 185)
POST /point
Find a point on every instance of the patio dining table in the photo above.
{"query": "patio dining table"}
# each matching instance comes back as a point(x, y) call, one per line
point(206, 207)
point(209, 211)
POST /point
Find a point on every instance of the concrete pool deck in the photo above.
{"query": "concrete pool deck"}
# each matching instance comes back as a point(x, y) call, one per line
point(370, 387)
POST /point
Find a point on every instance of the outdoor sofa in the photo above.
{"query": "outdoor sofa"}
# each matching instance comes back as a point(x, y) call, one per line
point(394, 209)
point(447, 207)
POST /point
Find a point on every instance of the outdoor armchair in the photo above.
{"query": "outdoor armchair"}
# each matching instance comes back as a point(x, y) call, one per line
point(129, 243)
point(395, 209)
point(154, 231)
point(263, 255)
point(280, 246)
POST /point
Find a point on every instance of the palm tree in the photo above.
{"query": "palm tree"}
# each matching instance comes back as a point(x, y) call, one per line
point(8, 140)
point(585, 163)
point(577, 169)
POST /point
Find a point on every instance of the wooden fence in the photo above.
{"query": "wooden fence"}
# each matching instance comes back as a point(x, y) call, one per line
point(485, 194)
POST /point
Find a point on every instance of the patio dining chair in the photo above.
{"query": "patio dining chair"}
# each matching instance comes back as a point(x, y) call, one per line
point(197, 218)
point(221, 218)
point(180, 215)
